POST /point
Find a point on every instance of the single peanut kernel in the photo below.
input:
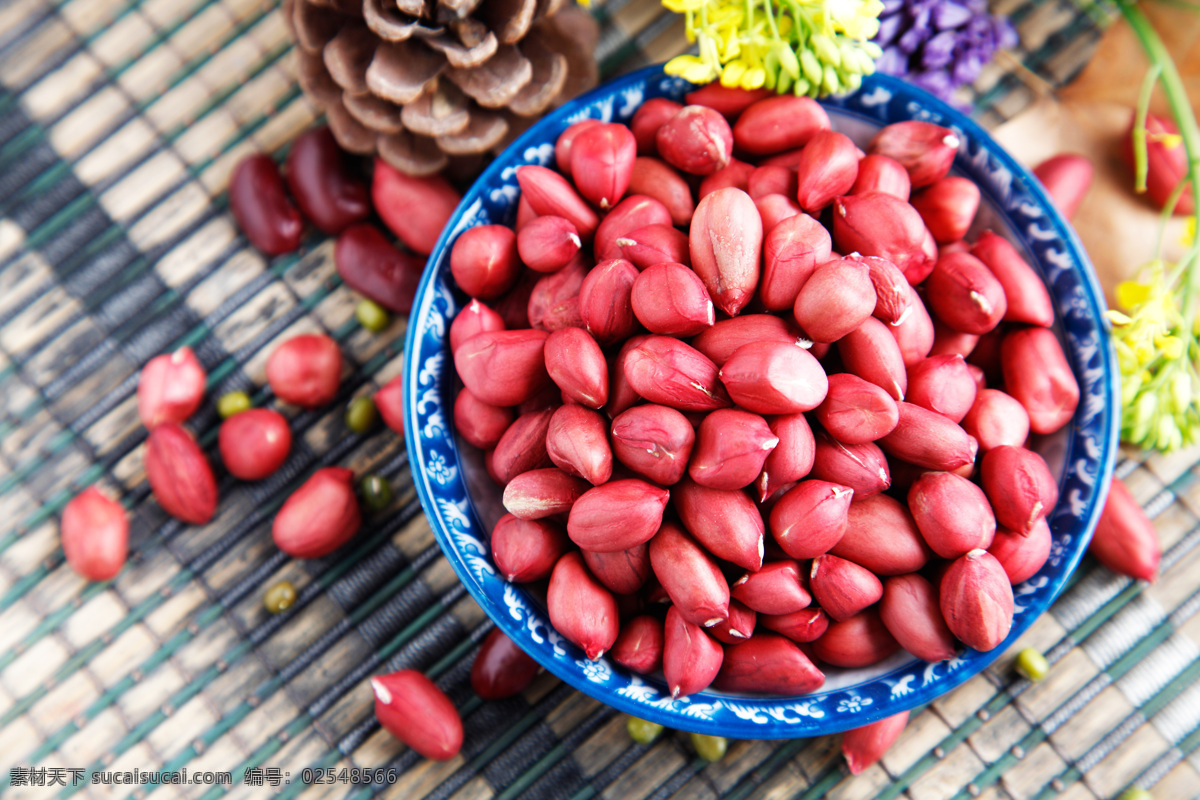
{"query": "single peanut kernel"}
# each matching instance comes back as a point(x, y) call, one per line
point(371, 316)
point(279, 597)
point(361, 414)
point(232, 403)
point(376, 492)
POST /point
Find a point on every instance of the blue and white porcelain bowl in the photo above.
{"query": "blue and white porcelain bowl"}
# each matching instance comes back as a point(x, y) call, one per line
point(462, 504)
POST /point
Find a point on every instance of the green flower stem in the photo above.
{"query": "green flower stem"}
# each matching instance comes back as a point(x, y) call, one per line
point(1139, 128)
point(1189, 131)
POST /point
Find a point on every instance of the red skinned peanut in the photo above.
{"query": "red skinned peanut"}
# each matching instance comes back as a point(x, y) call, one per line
point(170, 388)
point(689, 575)
point(179, 475)
point(580, 608)
point(95, 535)
point(415, 209)
point(255, 443)
point(526, 550)
point(305, 370)
point(320, 516)
point(639, 645)
point(418, 713)
point(691, 659)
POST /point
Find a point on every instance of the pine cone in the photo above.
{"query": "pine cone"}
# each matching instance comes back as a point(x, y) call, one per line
point(432, 85)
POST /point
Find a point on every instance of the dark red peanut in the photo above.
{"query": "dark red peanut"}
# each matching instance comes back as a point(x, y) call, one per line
point(547, 244)
point(566, 141)
point(602, 162)
point(863, 746)
point(506, 367)
point(810, 518)
point(580, 608)
point(736, 176)
point(95, 535)
point(929, 440)
point(542, 493)
point(774, 378)
point(1019, 485)
point(952, 514)
point(768, 664)
point(621, 394)
point(731, 447)
point(1050, 393)
point(623, 571)
point(948, 207)
point(1022, 554)
point(550, 193)
point(474, 318)
point(878, 224)
point(577, 443)
point(791, 459)
point(942, 384)
point(977, 600)
point(639, 645)
point(655, 244)
point(776, 124)
point(414, 710)
point(320, 516)
point(696, 140)
point(261, 206)
point(996, 419)
point(860, 467)
point(1024, 290)
point(576, 365)
point(691, 659)
point(1125, 540)
point(371, 266)
point(771, 179)
point(725, 241)
point(484, 261)
point(914, 334)
point(526, 550)
point(689, 576)
point(842, 587)
point(523, 445)
point(305, 370)
point(909, 610)
point(1067, 178)
point(480, 424)
point(836, 299)
point(554, 299)
point(827, 168)
point(925, 150)
point(170, 388)
point(254, 443)
point(802, 626)
point(893, 293)
point(724, 338)
point(656, 179)
point(1166, 162)
point(774, 209)
point(776, 588)
point(855, 411)
point(726, 100)
point(415, 209)
point(617, 515)
point(330, 196)
point(179, 475)
point(670, 299)
point(633, 213)
point(882, 536)
point(666, 371)
point(878, 173)
point(964, 294)
point(738, 626)
point(389, 401)
point(501, 669)
point(654, 441)
point(871, 352)
point(857, 641)
point(726, 522)
point(650, 116)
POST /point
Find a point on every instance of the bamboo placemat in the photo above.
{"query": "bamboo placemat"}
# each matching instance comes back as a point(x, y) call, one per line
point(120, 121)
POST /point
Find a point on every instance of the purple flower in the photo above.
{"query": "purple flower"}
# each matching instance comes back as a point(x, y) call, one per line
point(940, 45)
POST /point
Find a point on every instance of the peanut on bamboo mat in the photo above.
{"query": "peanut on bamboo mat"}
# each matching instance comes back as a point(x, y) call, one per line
point(120, 121)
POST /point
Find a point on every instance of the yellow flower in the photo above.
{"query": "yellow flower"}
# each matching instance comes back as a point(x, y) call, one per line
point(683, 6)
point(1131, 294)
point(858, 19)
point(690, 68)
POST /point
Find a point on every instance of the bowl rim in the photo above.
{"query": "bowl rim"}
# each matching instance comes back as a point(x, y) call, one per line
point(673, 716)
